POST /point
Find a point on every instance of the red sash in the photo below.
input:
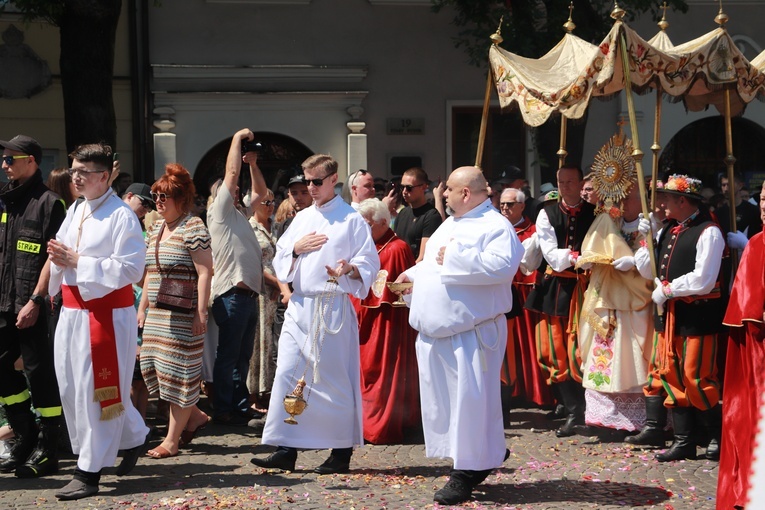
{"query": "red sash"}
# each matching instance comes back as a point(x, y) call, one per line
point(103, 346)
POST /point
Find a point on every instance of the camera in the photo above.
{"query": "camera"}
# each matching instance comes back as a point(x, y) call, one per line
point(252, 146)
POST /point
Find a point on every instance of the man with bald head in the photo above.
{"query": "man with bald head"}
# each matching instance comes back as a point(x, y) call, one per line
point(461, 292)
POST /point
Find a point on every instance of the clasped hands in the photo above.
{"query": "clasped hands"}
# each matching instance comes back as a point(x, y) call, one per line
point(62, 255)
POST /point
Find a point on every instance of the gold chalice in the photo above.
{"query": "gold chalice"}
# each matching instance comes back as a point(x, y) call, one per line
point(294, 403)
point(399, 288)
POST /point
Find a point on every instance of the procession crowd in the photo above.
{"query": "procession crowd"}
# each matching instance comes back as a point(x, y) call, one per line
point(325, 320)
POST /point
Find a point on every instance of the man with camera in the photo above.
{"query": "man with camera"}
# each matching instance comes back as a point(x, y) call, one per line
point(238, 278)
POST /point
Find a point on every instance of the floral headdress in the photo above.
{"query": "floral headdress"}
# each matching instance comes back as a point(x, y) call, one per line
point(679, 184)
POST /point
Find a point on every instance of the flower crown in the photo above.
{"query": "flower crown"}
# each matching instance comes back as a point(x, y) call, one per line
point(682, 184)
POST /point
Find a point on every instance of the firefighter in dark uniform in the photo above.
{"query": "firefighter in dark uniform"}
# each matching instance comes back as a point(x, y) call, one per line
point(31, 215)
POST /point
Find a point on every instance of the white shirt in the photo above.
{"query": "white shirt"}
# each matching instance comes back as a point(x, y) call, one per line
point(474, 283)
point(111, 247)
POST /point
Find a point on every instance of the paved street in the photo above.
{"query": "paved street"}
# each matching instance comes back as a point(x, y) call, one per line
point(590, 470)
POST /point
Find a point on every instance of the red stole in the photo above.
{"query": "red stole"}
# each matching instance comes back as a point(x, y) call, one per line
point(103, 344)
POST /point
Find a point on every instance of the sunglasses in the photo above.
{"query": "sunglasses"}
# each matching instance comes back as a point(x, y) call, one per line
point(507, 204)
point(410, 187)
point(267, 203)
point(360, 172)
point(82, 171)
point(159, 198)
point(316, 182)
point(146, 203)
point(10, 159)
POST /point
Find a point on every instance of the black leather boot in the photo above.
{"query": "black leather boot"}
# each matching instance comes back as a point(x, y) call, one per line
point(683, 447)
point(339, 461)
point(573, 399)
point(22, 421)
point(713, 422)
point(44, 459)
point(283, 458)
point(457, 489)
point(559, 411)
point(652, 433)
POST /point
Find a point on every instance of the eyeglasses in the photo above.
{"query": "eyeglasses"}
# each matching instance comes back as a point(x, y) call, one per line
point(316, 182)
point(10, 159)
point(410, 187)
point(267, 203)
point(507, 204)
point(82, 172)
point(159, 198)
point(360, 172)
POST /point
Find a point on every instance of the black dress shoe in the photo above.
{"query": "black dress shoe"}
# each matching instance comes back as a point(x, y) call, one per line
point(76, 489)
point(130, 457)
point(283, 458)
point(456, 491)
point(334, 464)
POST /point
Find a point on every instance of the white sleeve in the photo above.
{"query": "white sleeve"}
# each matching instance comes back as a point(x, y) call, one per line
point(700, 281)
point(559, 259)
point(532, 258)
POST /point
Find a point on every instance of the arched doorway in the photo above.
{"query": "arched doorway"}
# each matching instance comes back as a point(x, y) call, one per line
point(699, 149)
point(280, 159)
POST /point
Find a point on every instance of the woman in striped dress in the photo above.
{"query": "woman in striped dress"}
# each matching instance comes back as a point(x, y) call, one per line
point(173, 341)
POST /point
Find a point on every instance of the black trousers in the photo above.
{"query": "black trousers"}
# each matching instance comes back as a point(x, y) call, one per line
point(35, 348)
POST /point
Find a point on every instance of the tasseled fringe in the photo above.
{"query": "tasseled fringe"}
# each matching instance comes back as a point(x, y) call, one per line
point(112, 411)
point(103, 394)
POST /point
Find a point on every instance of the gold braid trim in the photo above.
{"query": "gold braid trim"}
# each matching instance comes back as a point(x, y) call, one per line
point(108, 393)
point(112, 411)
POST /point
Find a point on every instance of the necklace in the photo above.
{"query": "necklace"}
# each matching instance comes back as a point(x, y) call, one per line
point(172, 224)
point(83, 218)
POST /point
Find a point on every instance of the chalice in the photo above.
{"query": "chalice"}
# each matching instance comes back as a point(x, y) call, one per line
point(399, 288)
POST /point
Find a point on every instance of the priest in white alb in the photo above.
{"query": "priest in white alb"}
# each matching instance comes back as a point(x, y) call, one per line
point(320, 337)
point(462, 289)
point(97, 255)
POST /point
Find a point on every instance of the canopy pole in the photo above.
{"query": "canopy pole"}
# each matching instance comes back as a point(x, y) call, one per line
point(484, 120)
point(637, 154)
point(656, 148)
point(496, 39)
point(562, 152)
point(730, 160)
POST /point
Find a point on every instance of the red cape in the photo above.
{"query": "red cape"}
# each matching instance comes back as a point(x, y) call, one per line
point(744, 376)
point(390, 391)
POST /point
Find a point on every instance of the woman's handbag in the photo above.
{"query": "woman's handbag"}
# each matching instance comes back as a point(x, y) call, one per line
point(174, 294)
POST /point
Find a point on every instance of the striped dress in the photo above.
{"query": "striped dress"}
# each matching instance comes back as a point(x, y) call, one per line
point(171, 358)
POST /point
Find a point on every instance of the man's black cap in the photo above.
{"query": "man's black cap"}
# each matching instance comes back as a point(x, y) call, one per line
point(25, 144)
point(298, 179)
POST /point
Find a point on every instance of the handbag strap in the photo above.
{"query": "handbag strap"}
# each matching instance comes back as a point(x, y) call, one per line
point(156, 257)
point(156, 248)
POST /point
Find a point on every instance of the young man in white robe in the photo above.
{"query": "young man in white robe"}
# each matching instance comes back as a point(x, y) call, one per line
point(97, 255)
point(462, 289)
point(320, 336)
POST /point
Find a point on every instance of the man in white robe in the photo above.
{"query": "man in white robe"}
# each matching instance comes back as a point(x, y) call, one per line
point(320, 339)
point(97, 255)
point(462, 289)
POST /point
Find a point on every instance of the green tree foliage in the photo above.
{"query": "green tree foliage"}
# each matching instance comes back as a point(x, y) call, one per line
point(532, 27)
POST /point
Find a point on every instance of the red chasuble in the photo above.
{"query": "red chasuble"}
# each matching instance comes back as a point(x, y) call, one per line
point(521, 346)
point(744, 376)
point(389, 380)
